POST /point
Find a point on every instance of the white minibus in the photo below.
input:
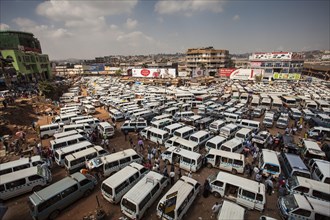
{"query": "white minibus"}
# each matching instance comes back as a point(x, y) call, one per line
point(182, 143)
point(114, 162)
point(114, 187)
point(96, 103)
point(309, 187)
point(23, 181)
point(228, 131)
point(233, 145)
point(200, 137)
point(269, 164)
point(224, 160)
point(171, 111)
point(289, 101)
point(75, 161)
point(117, 115)
point(66, 110)
point(160, 117)
point(320, 170)
point(296, 206)
point(254, 125)
point(60, 154)
point(73, 120)
point(215, 126)
point(184, 132)
point(244, 134)
point(47, 131)
point(48, 202)
point(231, 117)
point(68, 133)
point(20, 164)
point(230, 210)
point(64, 142)
point(187, 160)
point(65, 119)
point(106, 129)
point(180, 115)
point(93, 122)
point(245, 192)
point(154, 134)
point(311, 149)
point(186, 190)
point(215, 142)
point(160, 124)
point(173, 127)
point(85, 127)
point(143, 194)
point(89, 109)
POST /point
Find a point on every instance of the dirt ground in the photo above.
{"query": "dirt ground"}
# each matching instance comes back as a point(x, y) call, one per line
point(22, 116)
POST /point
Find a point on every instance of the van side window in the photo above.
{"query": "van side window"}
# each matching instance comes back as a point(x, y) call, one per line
point(124, 160)
point(121, 187)
point(186, 160)
point(69, 191)
point(302, 212)
point(238, 162)
point(37, 163)
point(110, 165)
point(91, 156)
point(144, 201)
point(218, 183)
point(226, 160)
point(49, 202)
point(134, 177)
point(143, 170)
point(321, 195)
point(135, 157)
point(84, 182)
point(2, 188)
point(320, 216)
point(34, 177)
point(327, 180)
point(248, 194)
point(16, 183)
point(21, 167)
point(2, 172)
point(163, 180)
point(302, 189)
point(155, 189)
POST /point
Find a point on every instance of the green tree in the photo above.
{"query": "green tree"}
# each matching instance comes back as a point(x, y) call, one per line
point(46, 89)
point(118, 72)
point(258, 78)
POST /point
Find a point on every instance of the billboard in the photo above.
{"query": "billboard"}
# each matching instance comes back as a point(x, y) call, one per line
point(154, 73)
point(226, 72)
point(198, 72)
point(246, 74)
point(287, 76)
point(96, 67)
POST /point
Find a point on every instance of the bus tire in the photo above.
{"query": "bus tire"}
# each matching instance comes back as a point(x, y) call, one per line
point(234, 171)
point(209, 165)
point(54, 214)
point(216, 194)
point(87, 193)
point(37, 188)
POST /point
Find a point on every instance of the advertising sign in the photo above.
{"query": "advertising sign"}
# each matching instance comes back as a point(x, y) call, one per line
point(154, 73)
point(287, 76)
point(226, 72)
point(246, 74)
point(198, 72)
point(171, 202)
point(96, 67)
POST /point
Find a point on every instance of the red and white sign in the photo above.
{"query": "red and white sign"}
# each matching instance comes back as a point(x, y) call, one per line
point(226, 72)
point(154, 73)
point(246, 74)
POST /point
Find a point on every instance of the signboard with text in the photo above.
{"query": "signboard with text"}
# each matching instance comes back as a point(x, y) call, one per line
point(154, 73)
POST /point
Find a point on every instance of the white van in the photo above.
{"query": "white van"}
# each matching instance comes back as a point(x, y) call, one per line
point(72, 109)
point(215, 126)
point(65, 118)
point(89, 109)
point(96, 103)
point(76, 161)
point(47, 131)
point(23, 181)
point(160, 117)
point(182, 143)
point(245, 192)
point(315, 131)
point(186, 190)
point(320, 170)
point(114, 187)
point(231, 117)
point(215, 142)
point(143, 194)
point(73, 120)
point(187, 160)
point(171, 111)
point(296, 206)
point(233, 145)
point(60, 154)
point(20, 164)
point(160, 124)
point(229, 130)
point(254, 125)
point(180, 115)
point(230, 210)
point(224, 160)
point(106, 129)
point(64, 142)
point(93, 122)
point(85, 127)
point(311, 149)
point(244, 134)
point(269, 164)
point(117, 115)
point(200, 137)
point(154, 134)
point(69, 133)
point(173, 127)
point(112, 163)
point(309, 187)
point(184, 132)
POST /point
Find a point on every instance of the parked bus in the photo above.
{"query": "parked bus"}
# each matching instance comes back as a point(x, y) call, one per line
point(224, 160)
point(320, 170)
point(47, 131)
point(269, 164)
point(64, 142)
point(114, 187)
point(48, 202)
point(245, 192)
point(230, 210)
point(186, 190)
point(23, 181)
point(20, 164)
point(182, 143)
point(141, 196)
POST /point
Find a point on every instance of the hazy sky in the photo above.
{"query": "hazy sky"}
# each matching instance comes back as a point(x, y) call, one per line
point(86, 29)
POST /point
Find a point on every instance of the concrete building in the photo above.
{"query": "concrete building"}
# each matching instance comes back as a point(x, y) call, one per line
point(206, 58)
point(24, 50)
point(279, 65)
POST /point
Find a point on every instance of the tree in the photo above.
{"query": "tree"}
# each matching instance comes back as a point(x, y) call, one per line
point(258, 78)
point(118, 72)
point(46, 89)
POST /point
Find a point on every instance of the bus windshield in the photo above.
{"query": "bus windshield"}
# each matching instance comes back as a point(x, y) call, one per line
point(129, 205)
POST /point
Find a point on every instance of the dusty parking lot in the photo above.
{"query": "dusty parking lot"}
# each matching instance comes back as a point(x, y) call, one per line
point(201, 208)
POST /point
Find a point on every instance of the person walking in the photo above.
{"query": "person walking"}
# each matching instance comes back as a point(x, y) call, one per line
point(179, 173)
point(172, 176)
point(269, 186)
point(215, 209)
point(125, 134)
point(206, 189)
point(130, 141)
point(165, 173)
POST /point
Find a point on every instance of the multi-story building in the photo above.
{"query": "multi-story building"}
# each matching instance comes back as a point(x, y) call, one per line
point(279, 65)
point(24, 51)
point(206, 58)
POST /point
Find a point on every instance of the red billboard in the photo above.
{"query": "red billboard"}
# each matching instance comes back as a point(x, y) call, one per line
point(226, 72)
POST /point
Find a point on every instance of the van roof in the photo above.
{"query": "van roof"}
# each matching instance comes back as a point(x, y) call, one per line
point(184, 142)
point(143, 187)
point(184, 129)
point(183, 187)
point(19, 162)
point(65, 139)
point(184, 152)
point(231, 155)
point(74, 147)
point(309, 203)
point(270, 156)
point(105, 124)
point(230, 126)
point(83, 153)
point(217, 122)
point(323, 165)
point(118, 155)
point(296, 161)
point(313, 147)
point(313, 184)
point(126, 172)
point(56, 188)
point(174, 126)
point(244, 131)
point(217, 139)
point(9, 177)
point(75, 125)
point(232, 143)
point(230, 210)
point(200, 133)
point(51, 125)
